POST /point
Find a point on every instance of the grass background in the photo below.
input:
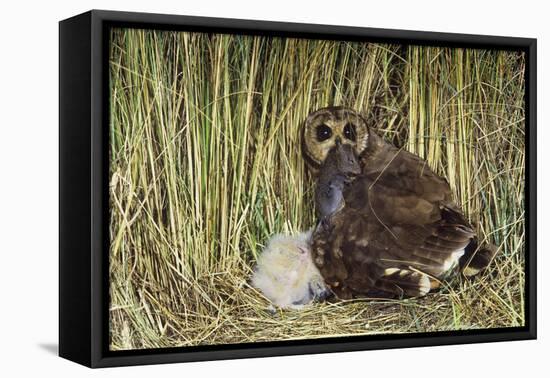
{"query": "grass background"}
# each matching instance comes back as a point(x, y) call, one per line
point(205, 166)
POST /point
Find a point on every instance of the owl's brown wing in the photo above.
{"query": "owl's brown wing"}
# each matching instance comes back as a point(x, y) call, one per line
point(398, 222)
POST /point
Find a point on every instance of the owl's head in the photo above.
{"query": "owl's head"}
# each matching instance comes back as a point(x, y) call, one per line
point(327, 127)
point(285, 252)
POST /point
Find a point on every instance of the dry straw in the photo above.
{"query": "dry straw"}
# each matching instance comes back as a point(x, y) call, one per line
point(206, 166)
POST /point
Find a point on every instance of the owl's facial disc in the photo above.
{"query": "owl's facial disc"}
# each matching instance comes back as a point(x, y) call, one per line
point(327, 127)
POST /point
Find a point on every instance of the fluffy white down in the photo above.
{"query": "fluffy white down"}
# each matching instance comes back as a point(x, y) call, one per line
point(285, 272)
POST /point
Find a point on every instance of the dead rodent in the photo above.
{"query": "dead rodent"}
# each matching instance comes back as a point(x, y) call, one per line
point(339, 168)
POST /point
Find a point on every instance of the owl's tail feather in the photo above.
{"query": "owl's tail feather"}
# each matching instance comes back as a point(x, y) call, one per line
point(476, 258)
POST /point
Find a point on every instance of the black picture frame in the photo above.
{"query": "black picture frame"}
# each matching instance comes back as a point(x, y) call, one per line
point(83, 193)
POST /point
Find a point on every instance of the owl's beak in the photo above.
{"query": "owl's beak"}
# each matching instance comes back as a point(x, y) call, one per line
point(337, 141)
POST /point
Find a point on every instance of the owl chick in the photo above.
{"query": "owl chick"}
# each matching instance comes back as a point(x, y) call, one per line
point(286, 274)
point(339, 168)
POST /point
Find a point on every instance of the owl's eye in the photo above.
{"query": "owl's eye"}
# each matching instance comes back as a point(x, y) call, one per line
point(349, 132)
point(323, 132)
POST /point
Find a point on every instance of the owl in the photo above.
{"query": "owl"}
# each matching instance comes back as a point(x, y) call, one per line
point(285, 272)
point(398, 232)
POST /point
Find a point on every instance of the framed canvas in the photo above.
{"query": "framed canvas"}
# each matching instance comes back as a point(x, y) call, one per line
point(235, 188)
